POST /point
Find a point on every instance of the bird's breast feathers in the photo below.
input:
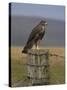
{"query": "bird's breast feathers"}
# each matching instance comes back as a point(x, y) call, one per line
point(43, 28)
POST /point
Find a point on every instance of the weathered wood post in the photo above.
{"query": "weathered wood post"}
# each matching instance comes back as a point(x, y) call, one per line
point(38, 67)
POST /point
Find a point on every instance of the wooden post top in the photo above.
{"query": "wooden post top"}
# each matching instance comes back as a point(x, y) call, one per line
point(38, 52)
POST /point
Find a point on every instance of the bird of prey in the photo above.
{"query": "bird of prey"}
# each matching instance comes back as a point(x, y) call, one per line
point(36, 35)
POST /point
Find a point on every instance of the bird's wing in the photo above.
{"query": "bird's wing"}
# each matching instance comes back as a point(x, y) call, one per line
point(34, 32)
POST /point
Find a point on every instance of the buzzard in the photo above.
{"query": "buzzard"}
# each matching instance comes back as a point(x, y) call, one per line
point(36, 35)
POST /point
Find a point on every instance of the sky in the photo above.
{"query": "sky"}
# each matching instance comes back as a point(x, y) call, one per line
point(48, 11)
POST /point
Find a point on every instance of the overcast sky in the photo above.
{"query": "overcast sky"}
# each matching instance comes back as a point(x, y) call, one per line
point(48, 11)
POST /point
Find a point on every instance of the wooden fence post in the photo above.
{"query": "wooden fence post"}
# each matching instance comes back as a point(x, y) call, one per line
point(38, 67)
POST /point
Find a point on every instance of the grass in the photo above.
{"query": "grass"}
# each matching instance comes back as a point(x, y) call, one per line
point(19, 70)
point(57, 74)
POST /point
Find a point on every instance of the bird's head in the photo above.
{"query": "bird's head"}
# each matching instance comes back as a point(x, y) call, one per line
point(43, 23)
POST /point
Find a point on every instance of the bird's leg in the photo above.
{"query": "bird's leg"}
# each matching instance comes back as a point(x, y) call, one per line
point(39, 43)
point(36, 45)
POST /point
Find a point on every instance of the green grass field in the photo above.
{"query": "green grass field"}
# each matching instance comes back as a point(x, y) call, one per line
point(19, 70)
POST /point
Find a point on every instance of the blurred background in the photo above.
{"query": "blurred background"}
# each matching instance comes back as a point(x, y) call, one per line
point(24, 17)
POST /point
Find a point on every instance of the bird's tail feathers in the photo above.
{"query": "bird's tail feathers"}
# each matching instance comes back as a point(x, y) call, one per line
point(25, 50)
